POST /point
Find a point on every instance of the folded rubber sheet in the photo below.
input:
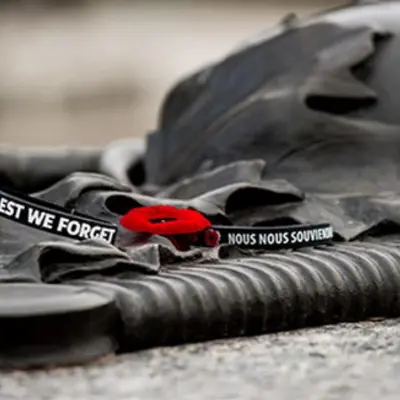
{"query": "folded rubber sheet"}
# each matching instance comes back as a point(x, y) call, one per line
point(64, 301)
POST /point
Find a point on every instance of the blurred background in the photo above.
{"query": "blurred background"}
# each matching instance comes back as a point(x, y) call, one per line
point(87, 72)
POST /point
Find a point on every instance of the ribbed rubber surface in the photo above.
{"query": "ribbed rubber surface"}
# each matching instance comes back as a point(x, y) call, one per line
point(235, 297)
point(271, 292)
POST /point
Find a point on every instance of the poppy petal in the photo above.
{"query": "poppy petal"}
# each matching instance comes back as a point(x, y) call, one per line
point(164, 220)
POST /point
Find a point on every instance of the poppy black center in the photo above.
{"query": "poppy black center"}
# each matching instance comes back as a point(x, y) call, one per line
point(158, 220)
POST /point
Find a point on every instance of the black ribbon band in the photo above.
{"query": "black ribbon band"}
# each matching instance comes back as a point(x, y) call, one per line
point(49, 217)
point(273, 238)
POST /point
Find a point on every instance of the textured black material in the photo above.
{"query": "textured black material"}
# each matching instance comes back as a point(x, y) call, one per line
point(285, 136)
point(263, 293)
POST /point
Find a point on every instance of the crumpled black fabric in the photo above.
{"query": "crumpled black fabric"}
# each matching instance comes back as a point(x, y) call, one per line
point(277, 133)
point(235, 200)
point(321, 112)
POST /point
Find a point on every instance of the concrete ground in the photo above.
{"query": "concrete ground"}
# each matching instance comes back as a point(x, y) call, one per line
point(348, 361)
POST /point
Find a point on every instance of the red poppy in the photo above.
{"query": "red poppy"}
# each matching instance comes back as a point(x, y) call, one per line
point(164, 220)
